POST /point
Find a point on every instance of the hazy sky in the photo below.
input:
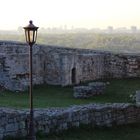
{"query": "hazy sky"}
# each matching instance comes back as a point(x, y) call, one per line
point(77, 13)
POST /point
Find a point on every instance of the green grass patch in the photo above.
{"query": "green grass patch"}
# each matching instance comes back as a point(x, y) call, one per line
point(118, 91)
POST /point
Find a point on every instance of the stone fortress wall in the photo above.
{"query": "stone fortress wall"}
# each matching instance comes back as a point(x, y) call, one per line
point(15, 122)
point(61, 66)
point(64, 66)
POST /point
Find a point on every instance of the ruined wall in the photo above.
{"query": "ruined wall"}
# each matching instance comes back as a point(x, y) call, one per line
point(14, 64)
point(68, 61)
point(15, 122)
point(52, 65)
point(91, 66)
point(52, 69)
point(122, 65)
point(61, 66)
point(79, 67)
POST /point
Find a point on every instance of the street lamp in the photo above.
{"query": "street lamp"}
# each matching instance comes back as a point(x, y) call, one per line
point(31, 36)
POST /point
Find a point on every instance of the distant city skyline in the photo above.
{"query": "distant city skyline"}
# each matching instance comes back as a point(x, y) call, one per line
point(76, 13)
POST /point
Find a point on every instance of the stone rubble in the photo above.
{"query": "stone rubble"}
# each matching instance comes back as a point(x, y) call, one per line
point(94, 88)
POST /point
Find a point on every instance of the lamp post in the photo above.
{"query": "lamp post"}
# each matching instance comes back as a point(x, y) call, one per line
point(31, 36)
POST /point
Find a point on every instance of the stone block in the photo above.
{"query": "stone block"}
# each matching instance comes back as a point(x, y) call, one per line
point(137, 96)
point(94, 88)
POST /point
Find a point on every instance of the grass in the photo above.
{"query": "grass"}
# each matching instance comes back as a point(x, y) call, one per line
point(57, 96)
point(129, 132)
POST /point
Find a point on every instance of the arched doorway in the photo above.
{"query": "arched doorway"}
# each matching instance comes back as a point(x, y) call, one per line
point(73, 76)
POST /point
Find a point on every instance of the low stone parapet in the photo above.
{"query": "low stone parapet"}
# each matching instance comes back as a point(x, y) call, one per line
point(53, 120)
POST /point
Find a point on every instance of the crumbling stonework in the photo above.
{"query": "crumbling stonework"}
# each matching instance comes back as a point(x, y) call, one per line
point(61, 66)
point(53, 120)
point(94, 88)
point(122, 65)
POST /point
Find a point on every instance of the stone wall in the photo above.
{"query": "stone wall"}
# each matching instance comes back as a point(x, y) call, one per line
point(15, 122)
point(122, 65)
point(52, 65)
point(61, 66)
point(14, 65)
point(91, 66)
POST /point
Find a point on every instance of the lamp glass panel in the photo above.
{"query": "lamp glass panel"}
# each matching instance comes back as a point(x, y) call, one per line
point(35, 36)
point(26, 35)
point(31, 36)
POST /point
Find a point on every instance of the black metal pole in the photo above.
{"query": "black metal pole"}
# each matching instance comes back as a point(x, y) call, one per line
point(31, 123)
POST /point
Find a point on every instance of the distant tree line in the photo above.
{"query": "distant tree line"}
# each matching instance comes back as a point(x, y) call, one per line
point(123, 42)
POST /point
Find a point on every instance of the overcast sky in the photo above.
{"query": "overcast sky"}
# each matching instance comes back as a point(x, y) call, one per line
point(77, 13)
